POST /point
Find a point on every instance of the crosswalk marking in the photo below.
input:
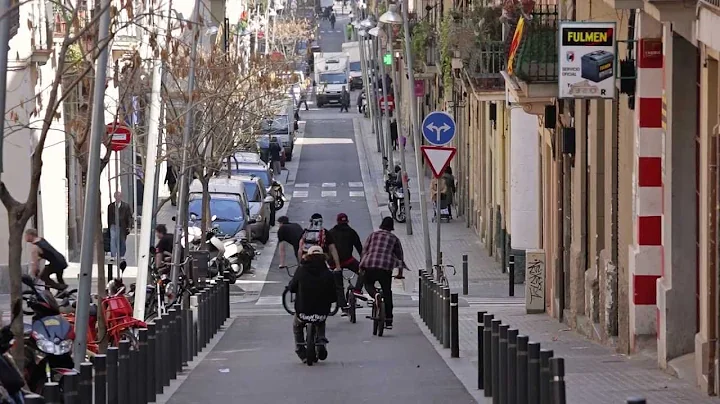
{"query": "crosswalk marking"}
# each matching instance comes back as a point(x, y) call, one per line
point(328, 185)
point(302, 185)
point(355, 184)
point(300, 194)
point(269, 301)
point(326, 194)
point(357, 194)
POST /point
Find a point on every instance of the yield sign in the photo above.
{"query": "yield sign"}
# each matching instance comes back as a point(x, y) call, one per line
point(438, 157)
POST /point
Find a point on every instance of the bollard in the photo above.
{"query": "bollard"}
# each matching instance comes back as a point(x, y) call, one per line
point(502, 364)
point(228, 286)
point(172, 340)
point(433, 309)
point(487, 354)
point(34, 399)
point(211, 307)
point(123, 372)
point(133, 379)
point(51, 392)
point(159, 374)
point(70, 388)
point(193, 325)
point(480, 349)
point(512, 366)
point(522, 369)
point(113, 354)
point(420, 295)
point(438, 312)
point(167, 350)
point(533, 373)
point(200, 320)
point(85, 384)
point(545, 355)
point(454, 327)
point(184, 359)
point(557, 385)
point(178, 338)
point(142, 366)
point(495, 355)
point(631, 400)
point(188, 331)
point(446, 317)
point(100, 380)
point(465, 274)
point(150, 364)
point(206, 317)
point(426, 298)
point(511, 276)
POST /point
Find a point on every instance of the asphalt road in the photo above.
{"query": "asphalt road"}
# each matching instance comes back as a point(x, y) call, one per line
point(255, 360)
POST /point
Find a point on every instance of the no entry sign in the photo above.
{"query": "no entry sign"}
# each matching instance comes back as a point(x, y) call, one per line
point(120, 136)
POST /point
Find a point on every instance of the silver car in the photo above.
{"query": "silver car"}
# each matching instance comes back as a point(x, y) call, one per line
point(260, 204)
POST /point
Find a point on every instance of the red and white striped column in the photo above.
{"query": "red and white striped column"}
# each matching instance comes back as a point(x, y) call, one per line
point(646, 252)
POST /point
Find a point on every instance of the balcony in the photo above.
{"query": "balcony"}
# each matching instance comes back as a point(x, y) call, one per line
point(677, 11)
point(532, 71)
point(708, 19)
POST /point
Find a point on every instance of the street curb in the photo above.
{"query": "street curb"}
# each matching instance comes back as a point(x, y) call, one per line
point(465, 371)
point(187, 371)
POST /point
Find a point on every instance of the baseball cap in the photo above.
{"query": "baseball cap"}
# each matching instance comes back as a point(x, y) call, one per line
point(315, 250)
point(342, 218)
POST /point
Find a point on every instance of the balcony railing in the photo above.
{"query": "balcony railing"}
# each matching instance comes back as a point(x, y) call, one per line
point(486, 64)
point(712, 3)
point(536, 59)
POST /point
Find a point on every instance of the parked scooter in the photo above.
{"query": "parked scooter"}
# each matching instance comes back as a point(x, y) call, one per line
point(48, 339)
point(239, 254)
point(279, 192)
point(396, 196)
point(11, 379)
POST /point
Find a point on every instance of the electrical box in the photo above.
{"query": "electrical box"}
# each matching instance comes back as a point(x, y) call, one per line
point(597, 66)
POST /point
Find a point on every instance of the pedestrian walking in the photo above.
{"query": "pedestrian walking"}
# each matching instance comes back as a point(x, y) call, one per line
point(349, 31)
point(332, 20)
point(344, 100)
point(171, 181)
point(119, 219)
point(275, 150)
point(303, 95)
point(360, 102)
point(55, 262)
point(394, 133)
point(450, 186)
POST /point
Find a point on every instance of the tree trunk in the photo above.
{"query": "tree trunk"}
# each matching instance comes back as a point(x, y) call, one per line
point(205, 222)
point(15, 239)
point(101, 281)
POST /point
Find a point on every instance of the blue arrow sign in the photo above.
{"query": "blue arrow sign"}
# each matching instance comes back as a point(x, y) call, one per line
point(438, 128)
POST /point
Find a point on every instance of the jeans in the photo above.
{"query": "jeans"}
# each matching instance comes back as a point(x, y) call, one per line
point(276, 167)
point(373, 275)
point(117, 241)
point(303, 101)
point(299, 332)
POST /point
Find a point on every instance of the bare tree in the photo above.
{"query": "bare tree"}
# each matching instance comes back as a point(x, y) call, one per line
point(289, 32)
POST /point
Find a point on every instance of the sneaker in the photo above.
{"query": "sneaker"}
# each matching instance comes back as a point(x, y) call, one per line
point(322, 352)
point(300, 352)
point(388, 324)
point(344, 313)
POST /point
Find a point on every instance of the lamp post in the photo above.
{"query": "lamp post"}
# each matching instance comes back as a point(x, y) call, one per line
point(361, 34)
point(391, 17)
point(417, 140)
point(386, 113)
point(367, 24)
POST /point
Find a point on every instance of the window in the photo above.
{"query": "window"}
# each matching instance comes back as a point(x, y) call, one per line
point(230, 215)
point(279, 122)
point(355, 67)
point(333, 78)
point(252, 191)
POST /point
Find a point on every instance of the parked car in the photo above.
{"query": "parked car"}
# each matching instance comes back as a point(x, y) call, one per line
point(281, 125)
point(261, 171)
point(261, 207)
point(228, 202)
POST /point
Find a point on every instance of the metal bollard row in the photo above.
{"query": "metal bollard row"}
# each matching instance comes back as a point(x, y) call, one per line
point(439, 310)
point(513, 370)
point(136, 371)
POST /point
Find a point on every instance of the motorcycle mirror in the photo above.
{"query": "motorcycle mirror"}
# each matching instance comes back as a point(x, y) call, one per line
point(172, 218)
point(213, 218)
point(193, 217)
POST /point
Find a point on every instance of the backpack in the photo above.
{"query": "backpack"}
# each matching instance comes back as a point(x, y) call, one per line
point(314, 235)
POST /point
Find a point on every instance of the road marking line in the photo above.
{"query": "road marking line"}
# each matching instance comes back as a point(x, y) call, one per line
point(300, 194)
point(355, 184)
point(269, 301)
point(302, 185)
point(357, 194)
point(326, 194)
point(328, 185)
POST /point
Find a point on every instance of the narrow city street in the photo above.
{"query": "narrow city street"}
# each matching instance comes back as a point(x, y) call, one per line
point(255, 357)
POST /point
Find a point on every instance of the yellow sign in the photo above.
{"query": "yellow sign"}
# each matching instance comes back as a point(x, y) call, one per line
point(51, 322)
point(515, 44)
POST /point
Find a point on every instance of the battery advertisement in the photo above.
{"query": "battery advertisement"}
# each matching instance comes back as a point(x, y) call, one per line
point(587, 60)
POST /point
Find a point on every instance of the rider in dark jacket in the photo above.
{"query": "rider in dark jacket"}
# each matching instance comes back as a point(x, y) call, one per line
point(346, 240)
point(314, 287)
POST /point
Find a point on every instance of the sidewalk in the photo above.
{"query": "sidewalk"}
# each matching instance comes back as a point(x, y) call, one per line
point(594, 373)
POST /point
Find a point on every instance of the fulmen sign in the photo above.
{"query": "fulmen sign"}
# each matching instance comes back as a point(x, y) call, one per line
point(587, 60)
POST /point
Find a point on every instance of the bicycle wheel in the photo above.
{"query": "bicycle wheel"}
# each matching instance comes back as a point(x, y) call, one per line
point(374, 316)
point(351, 305)
point(381, 317)
point(311, 353)
point(288, 300)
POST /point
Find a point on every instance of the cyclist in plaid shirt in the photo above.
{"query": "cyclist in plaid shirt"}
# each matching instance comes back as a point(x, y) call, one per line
point(381, 254)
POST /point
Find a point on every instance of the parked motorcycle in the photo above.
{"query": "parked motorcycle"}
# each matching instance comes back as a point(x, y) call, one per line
point(279, 193)
point(48, 339)
point(11, 379)
point(396, 196)
point(239, 254)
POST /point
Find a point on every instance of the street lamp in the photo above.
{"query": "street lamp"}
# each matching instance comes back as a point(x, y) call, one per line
point(367, 24)
point(391, 17)
point(416, 137)
point(386, 113)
